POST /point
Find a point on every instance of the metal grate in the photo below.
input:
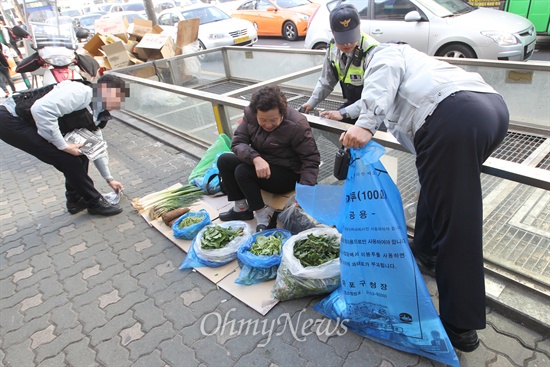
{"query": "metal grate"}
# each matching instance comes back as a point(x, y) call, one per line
point(517, 147)
point(222, 88)
point(545, 162)
point(326, 105)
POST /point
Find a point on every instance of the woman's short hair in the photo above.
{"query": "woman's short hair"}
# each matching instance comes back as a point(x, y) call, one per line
point(113, 81)
point(268, 98)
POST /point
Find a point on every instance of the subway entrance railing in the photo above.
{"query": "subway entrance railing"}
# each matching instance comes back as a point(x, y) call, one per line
point(200, 95)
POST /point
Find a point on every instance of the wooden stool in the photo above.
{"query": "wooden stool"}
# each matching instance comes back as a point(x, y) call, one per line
point(278, 201)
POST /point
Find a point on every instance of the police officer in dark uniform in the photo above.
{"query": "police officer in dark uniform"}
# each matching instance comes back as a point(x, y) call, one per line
point(344, 64)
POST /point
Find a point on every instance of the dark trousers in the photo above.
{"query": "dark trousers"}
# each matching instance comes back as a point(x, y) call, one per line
point(451, 146)
point(5, 75)
point(240, 181)
point(23, 135)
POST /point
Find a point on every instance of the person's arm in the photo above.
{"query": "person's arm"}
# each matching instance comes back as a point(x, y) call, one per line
point(304, 145)
point(102, 165)
point(65, 98)
point(381, 83)
point(240, 144)
point(325, 85)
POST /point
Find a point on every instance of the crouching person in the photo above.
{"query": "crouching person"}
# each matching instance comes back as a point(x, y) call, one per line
point(274, 148)
point(68, 106)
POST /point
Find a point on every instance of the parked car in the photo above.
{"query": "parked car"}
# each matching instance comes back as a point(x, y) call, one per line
point(138, 7)
point(130, 15)
point(449, 28)
point(216, 28)
point(71, 12)
point(286, 18)
point(87, 21)
point(228, 6)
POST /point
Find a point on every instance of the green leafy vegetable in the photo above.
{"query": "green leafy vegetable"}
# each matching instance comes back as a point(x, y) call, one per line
point(267, 245)
point(216, 237)
point(190, 220)
point(317, 250)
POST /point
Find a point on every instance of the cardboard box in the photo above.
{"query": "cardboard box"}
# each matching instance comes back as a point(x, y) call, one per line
point(144, 26)
point(111, 26)
point(116, 55)
point(155, 47)
point(188, 32)
point(94, 46)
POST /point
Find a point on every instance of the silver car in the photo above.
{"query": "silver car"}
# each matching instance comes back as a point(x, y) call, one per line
point(449, 28)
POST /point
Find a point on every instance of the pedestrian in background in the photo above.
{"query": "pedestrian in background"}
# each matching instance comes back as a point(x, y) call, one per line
point(5, 71)
point(452, 120)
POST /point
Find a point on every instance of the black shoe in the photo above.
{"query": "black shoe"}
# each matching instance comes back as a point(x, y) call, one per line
point(103, 207)
point(466, 341)
point(233, 215)
point(261, 227)
point(76, 206)
point(425, 262)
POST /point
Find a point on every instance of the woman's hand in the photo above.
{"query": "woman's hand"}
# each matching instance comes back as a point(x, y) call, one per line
point(356, 137)
point(262, 168)
point(331, 115)
point(73, 149)
point(115, 185)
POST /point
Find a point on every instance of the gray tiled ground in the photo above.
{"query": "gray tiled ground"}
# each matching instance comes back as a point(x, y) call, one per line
point(88, 291)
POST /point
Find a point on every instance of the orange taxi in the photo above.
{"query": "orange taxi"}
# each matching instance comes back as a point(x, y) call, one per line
point(286, 18)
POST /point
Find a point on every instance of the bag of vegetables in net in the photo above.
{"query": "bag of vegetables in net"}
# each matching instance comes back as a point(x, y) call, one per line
point(310, 264)
point(217, 244)
point(260, 256)
point(188, 225)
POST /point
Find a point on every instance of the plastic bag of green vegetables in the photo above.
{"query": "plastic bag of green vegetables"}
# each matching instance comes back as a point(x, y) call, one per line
point(217, 244)
point(188, 225)
point(260, 256)
point(310, 264)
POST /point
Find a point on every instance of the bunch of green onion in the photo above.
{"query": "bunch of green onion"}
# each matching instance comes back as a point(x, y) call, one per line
point(163, 201)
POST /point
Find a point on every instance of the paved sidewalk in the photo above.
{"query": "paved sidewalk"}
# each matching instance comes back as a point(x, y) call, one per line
point(78, 290)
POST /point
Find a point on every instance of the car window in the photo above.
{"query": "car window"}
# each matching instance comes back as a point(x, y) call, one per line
point(249, 5)
point(392, 9)
point(263, 5)
point(206, 15)
point(292, 3)
point(447, 8)
point(133, 7)
point(165, 19)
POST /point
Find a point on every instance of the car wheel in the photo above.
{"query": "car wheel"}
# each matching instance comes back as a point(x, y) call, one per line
point(290, 32)
point(458, 51)
point(320, 46)
point(201, 48)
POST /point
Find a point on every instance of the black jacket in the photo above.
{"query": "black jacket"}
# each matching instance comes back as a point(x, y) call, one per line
point(290, 145)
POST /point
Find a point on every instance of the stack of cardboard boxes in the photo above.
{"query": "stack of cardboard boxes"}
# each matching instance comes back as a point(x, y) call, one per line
point(114, 46)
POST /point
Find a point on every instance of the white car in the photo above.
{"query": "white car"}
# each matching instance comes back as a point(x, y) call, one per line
point(449, 28)
point(216, 28)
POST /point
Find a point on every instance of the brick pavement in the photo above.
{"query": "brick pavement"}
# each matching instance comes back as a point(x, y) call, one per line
point(78, 290)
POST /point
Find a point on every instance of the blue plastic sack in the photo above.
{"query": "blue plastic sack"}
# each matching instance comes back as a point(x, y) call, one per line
point(189, 232)
point(198, 257)
point(259, 268)
point(209, 182)
point(382, 293)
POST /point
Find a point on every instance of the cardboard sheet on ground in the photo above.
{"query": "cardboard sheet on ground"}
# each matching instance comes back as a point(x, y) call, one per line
point(256, 296)
point(382, 293)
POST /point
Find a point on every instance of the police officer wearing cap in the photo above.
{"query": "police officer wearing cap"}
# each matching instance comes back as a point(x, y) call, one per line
point(344, 64)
